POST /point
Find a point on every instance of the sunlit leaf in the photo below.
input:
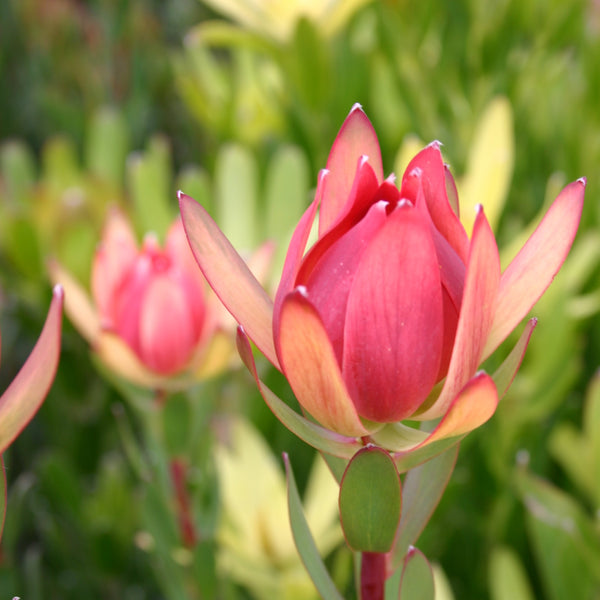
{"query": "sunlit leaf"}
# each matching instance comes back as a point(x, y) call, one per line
point(305, 542)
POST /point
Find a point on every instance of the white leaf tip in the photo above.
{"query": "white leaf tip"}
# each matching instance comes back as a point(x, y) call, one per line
point(58, 291)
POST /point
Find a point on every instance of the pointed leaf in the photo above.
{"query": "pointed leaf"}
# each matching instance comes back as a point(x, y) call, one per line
point(508, 578)
point(149, 177)
point(490, 164)
point(505, 373)
point(314, 435)
point(533, 269)
point(370, 501)
point(417, 578)
point(236, 194)
point(564, 541)
point(475, 404)
point(25, 394)
point(3, 495)
point(229, 276)
point(304, 541)
point(422, 490)
point(286, 191)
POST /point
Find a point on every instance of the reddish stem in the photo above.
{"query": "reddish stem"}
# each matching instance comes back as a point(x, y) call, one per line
point(184, 510)
point(372, 576)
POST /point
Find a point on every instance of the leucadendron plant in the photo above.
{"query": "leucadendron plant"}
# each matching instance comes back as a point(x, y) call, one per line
point(25, 394)
point(385, 319)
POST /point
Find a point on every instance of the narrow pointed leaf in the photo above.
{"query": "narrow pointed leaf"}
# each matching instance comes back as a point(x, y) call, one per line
point(304, 541)
point(314, 435)
point(3, 495)
point(229, 276)
point(370, 501)
point(236, 191)
point(422, 490)
point(417, 578)
point(508, 578)
point(530, 273)
point(489, 165)
point(25, 394)
point(505, 373)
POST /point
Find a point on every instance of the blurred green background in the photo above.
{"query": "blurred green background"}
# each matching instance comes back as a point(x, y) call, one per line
point(238, 103)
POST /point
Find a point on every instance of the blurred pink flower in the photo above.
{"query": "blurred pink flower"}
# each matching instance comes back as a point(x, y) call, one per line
point(150, 318)
point(152, 298)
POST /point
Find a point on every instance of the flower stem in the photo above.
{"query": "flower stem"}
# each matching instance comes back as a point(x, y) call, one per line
point(372, 576)
point(184, 512)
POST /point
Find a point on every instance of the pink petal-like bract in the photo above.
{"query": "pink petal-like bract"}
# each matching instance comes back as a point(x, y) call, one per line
point(25, 394)
point(154, 300)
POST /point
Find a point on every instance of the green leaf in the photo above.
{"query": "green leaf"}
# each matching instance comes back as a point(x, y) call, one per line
point(508, 579)
point(149, 179)
point(417, 578)
point(17, 168)
point(591, 427)
point(176, 422)
point(194, 182)
point(565, 544)
point(304, 541)
point(107, 146)
point(370, 501)
point(60, 165)
point(316, 436)
point(286, 191)
point(422, 490)
point(236, 191)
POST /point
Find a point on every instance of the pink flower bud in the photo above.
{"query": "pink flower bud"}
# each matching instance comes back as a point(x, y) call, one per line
point(152, 298)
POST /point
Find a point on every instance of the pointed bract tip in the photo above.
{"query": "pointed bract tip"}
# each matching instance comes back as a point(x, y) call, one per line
point(363, 159)
point(478, 208)
point(356, 106)
point(435, 144)
point(301, 289)
point(416, 172)
point(403, 203)
point(180, 195)
point(58, 291)
point(583, 180)
point(533, 321)
point(391, 178)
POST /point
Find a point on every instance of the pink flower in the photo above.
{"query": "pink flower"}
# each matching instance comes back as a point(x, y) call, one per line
point(152, 298)
point(392, 310)
point(150, 319)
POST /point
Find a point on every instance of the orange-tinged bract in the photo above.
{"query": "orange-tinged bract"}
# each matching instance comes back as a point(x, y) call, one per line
point(391, 311)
